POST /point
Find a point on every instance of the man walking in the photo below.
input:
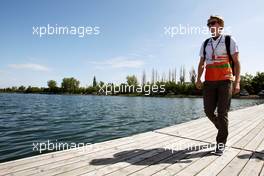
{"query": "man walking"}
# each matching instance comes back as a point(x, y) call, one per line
point(219, 55)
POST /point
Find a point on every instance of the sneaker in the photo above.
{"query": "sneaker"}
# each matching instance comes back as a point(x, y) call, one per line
point(219, 152)
point(220, 148)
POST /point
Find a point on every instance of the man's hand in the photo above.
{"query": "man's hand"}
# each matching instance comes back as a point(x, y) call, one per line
point(236, 88)
point(198, 84)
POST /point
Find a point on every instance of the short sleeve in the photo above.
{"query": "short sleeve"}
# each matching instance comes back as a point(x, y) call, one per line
point(201, 50)
point(233, 46)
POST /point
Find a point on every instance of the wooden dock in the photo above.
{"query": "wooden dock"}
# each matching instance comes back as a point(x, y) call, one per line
point(177, 150)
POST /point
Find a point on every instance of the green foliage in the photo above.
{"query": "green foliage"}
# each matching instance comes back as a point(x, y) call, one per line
point(258, 82)
point(193, 75)
point(246, 83)
point(21, 88)
point(91, 90)
point(53, 88)
point(132, 80)
point(253, 84)
point(94, 82)
point(52, 84)
point(33, 90)
point(70, 85)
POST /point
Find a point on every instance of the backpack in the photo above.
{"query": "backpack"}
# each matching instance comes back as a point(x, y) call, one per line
point(227, 44)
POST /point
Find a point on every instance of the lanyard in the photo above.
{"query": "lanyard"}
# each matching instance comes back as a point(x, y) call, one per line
point(213, 49)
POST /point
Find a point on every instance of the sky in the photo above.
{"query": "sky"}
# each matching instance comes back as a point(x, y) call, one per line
point(131, 36)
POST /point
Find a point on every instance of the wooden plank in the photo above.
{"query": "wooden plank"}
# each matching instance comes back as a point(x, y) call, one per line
point(182, 160)
point(193, 168)
point(217, 165)
point(204, 119)
point(232, 123)
point(262, 171)
point(238, 128)
point(205, 135)
point(254, 166)
point(243, 131)
point(151, 151)
point(131, 168)
point(236, 165)
point(255, 142)
point(189, 124)
point(171, 170)
point(261, 147)
point(41, 168)
point(100, 145)
point(246, 139)
point(174, 164)
point(202, 133)
point(237, 115)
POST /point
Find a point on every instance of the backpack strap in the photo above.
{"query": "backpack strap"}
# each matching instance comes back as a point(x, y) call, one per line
point(204, 46)
point(227, 43)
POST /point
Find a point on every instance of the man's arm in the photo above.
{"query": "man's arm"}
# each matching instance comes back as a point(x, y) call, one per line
point(200, 72)
point(237, 72)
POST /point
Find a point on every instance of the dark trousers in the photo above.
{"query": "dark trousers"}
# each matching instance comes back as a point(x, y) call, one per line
point(218, 94)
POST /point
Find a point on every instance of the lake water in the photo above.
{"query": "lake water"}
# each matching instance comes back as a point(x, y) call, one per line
point(30, 118)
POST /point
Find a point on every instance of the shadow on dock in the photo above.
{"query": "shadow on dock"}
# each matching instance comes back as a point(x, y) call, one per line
point(156, 156)
point(253, 155)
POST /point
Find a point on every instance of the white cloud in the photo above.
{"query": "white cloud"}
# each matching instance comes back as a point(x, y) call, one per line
point(29, 66)
point(119, 62)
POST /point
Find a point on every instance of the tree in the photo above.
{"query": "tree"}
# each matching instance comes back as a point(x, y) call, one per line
point(14, 89)
point(52, 87)
point(52, 84)
point(246, 83)
point(143, 78)
point(193, 75)
point(132, 80)
point(101, 83)
point(182, 74)
point(173, 75)
point(258, 82)
point(163, 77)
point(33, 89)
point(169, 75)
point(70, 85)
point(153, 76)
point(21, 88)
point(156, 76)
point(94, 82)
point(91, 90)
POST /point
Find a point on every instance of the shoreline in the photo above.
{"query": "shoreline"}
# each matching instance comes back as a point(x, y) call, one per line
point(139, 95)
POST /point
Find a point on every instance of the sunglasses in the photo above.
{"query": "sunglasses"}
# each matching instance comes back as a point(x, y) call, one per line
point(211, 23)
